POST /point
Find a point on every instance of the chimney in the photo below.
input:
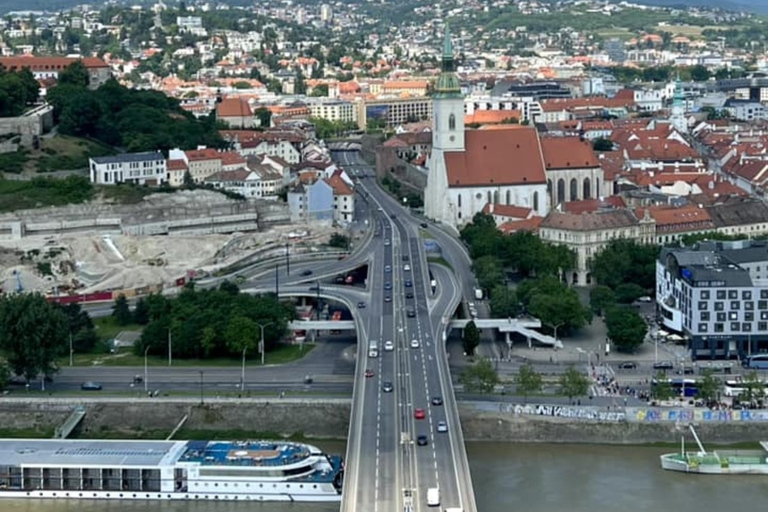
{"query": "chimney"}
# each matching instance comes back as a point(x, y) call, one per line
point(491, 209)
point(712, 185)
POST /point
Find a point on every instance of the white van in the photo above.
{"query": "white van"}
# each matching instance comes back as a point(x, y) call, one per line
point(433, 497)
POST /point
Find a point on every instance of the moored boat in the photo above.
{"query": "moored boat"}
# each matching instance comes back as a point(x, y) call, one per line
point(723, 462)
point(168, 470)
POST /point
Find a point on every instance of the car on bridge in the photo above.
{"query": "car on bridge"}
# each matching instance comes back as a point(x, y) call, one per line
point(422, 440)
point(408, 295)
point(387, 298)
point(307, 273)
point(387, 387)
point(387, 269)
point(361, 305)
point(411, 313)
point(387, 285)
point(389, 346)
point(414, 343)
point(91, 386)
point(437, 400)
point(419, 413)
point(406, 257)
point(442, 427)
point(387, 242)
point(369, 373)
point(408, 284)
point(315, 288)
point(406, 267)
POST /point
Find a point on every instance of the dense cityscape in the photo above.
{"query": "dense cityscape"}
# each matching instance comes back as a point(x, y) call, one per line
point(234, 234)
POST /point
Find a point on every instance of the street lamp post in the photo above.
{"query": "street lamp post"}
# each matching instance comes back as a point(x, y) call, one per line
point(169, 346)
point(261, 342)
point(71, 350)
point(287, 260)
point(201, 387)
point(146, 384)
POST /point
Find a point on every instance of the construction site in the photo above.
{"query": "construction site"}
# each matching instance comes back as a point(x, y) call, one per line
point(161, 242)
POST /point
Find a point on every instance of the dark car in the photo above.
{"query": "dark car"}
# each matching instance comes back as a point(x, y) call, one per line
point(422, 440)
point(405, 257)
point(408, 295)
point(424, 224)
point(408, 284)
point(307, 273)
point(387, 387)
point(411, 313)
point(387, 286)
point(361, 305)
point(627, 365)
point(90, 386)
point(315, 288)
point(437, 400)
point(663, 365)
point(387, 298)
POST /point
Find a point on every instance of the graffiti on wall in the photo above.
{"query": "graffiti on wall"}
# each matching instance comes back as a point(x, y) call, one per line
point(571, 412)
point(690, 415)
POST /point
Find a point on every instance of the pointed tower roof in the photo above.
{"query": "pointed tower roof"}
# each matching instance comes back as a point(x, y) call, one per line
point(447, 85)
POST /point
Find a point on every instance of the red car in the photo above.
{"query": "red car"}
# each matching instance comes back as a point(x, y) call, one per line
point(368, 374)
point(419, 414)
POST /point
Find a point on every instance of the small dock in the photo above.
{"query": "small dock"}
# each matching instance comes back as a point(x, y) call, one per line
point(65, 429)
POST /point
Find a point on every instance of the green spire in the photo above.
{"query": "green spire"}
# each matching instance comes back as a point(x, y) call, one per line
point(447, 50)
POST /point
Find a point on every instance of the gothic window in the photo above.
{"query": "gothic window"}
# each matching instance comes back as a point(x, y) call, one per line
point(490, 199)
point(536, 201)
point(459, 200)
point(496, 197)
point(587, 189)
point(452, 122)
point(509, 197)
point(574, 189)
point(560, 191)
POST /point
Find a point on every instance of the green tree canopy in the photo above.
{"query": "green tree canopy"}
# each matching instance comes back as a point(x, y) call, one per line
point(707, 387)
point(33, 333)
point(480, 377)
point(80, 327)
point(75, 74)
point(600, 298)
point(121, 311)
point(626, 328)
point(528, 381)
point(625, 261)
point(503, 302)
point(661, 388)
point(627, 293)
point(556, 305)
point(488, 271)
point(470, 338)
point(602, 144)
point(339, 240)
point(574, 383)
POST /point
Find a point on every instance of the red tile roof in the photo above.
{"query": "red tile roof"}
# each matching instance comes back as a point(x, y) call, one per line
point(339, 186)
point(679, 219)
point(233, 107)
point(592, 205)
point(507, 210)
point(568, 153)
point(49, 63)
point(514, 226)
point(229, 158)
point(497, 157)
point(195, 155)
point(176, 165)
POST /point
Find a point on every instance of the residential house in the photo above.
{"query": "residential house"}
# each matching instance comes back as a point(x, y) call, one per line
point(343, 199)
point(236, 113)
point(311, 202)
point(147, 168)
point(201, 163)
point(177, 169)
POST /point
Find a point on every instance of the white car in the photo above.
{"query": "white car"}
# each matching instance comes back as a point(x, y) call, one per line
point(414, 343)
point(389, 346)
point(406, 267)
point(387, 242)
point(442, 426)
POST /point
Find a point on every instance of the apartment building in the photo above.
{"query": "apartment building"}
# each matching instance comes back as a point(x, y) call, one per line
point(336, 111)
point(394, 111)
point(716, 295)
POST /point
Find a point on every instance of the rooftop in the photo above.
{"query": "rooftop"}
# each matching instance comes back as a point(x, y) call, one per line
point(148, 156)
point(76, 452)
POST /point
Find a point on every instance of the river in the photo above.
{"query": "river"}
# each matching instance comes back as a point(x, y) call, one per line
point(526, 478)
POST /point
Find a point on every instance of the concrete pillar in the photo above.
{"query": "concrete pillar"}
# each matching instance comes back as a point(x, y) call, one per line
point(529, 342)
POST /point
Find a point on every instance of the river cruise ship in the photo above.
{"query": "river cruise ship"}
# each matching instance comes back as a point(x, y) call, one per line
point(168, 470)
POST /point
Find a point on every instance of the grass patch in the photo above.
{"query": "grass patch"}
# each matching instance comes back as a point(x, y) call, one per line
point(65, 153)
point(107, 327)
point(13, 163)
point(129, 193)
point(41, 192)
point(27, 433)
point(439, 260)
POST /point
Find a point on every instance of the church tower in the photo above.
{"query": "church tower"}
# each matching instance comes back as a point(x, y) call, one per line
point(678, 109)
point(448, 104)
point(447, 136)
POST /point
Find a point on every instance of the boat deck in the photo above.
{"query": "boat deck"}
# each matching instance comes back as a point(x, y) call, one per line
point(244, 453)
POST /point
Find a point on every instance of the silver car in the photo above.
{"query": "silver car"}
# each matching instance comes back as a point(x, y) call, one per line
point(442, 426)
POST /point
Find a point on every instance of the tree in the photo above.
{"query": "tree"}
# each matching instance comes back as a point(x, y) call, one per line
point(229, 287)
point(121, 311)
point(488, 271)
point(470, 338)
point(241, 336)
point(75, 74)
point(560, 310)
point(707, 387)
point(479, 377)
point(320, 90)
point(627, 293)
point(528, 381)
point(626, 328)
point(600, 298)
point(573, 383)
point(339, 240)
point(264, 115)
point(661, 389)
point(602, 144)
point(753, 388)
point(699, 73)
point(80, 327)
point(33, 333)
point(141, 312)
point(503, 302)
point(625, 261)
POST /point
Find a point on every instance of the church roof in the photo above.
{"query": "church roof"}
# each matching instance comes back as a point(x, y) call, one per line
point(497, 157)
point(568, 153)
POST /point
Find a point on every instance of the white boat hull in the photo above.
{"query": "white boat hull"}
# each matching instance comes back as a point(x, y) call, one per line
point(187, 496)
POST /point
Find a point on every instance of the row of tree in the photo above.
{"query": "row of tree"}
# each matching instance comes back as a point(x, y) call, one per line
point(481, 377)
point(136, 120)
point(212, 323)
point(18, 90)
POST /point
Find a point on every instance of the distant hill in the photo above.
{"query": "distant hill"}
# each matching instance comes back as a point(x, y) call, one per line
point(756, 6)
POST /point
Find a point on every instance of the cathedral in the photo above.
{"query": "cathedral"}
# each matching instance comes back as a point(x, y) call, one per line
point(469, 169)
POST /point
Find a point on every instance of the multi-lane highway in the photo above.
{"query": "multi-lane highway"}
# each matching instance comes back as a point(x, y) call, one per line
point(388, 466)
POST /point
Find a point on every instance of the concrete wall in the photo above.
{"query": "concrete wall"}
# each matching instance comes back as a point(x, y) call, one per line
point(34, 122)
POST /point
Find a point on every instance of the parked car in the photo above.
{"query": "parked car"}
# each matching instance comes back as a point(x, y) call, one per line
point(90, 386)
